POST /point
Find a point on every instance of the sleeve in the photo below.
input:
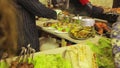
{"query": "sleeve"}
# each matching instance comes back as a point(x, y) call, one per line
point(37, 8)
point(115, 39)
point(83, 2)
point(116, 3)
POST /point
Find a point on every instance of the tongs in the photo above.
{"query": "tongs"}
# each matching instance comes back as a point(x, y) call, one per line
point(22, 55)
point(30, 52)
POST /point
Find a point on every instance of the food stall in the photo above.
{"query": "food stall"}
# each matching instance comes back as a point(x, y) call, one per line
point(76, 42)
point(78, 56)
point(99, 43)
point(99, 40)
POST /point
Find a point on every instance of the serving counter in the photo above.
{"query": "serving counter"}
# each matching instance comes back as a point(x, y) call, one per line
point(79, 56)
point(65, 35)
point(101, 45)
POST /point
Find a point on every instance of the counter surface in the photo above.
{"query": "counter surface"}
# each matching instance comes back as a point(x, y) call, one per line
point(65, 35)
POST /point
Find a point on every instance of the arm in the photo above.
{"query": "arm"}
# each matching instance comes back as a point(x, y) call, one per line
point(94, 11)
point(38, 9)
point(115, 36)
point(84, 2)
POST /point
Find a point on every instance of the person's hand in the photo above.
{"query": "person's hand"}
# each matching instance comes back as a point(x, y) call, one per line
point(97, 10)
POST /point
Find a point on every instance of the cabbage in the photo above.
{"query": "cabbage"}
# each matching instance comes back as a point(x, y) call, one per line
point(50, 61)
point(103, 51)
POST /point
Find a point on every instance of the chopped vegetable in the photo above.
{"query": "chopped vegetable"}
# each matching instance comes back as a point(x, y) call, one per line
point(103, 50)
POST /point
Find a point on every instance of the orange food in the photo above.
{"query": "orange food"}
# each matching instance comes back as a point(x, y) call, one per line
point(102, 27)
point(100, 31)
point(117, 10)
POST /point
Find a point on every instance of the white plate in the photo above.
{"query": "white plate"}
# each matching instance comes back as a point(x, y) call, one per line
point(77, 18)
point(56, 31)
point(50, 28)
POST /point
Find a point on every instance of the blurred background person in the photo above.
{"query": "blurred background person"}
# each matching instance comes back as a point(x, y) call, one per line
point(8, 33)
point(115, 36)
point(91, 9)
point(81, 7)
point(116, 3)
point(61, 4)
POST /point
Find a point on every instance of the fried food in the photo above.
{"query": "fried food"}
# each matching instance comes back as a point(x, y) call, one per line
point(81, 32)
point(113, 10)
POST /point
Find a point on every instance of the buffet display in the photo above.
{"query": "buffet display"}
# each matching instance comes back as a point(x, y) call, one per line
point(79, 28)
point(83, 28)
point(82, 55)
point(112, 10)
point(78, 56)
point(103, 51)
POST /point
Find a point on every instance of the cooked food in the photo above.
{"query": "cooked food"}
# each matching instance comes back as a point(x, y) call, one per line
point(113, 10)
point(47, 24)
point(81, 32)
point(102, 27)
point(16, 64)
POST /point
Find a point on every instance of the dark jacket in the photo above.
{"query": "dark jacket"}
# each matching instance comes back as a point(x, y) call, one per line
point(116, 3)
point(84, 9)
point(27, 32)
point(77, 8)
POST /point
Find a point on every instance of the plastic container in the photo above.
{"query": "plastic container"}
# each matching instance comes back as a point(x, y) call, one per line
point(88, 22)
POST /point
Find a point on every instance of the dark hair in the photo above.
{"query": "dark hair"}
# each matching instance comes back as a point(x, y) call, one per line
point(8, 33)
